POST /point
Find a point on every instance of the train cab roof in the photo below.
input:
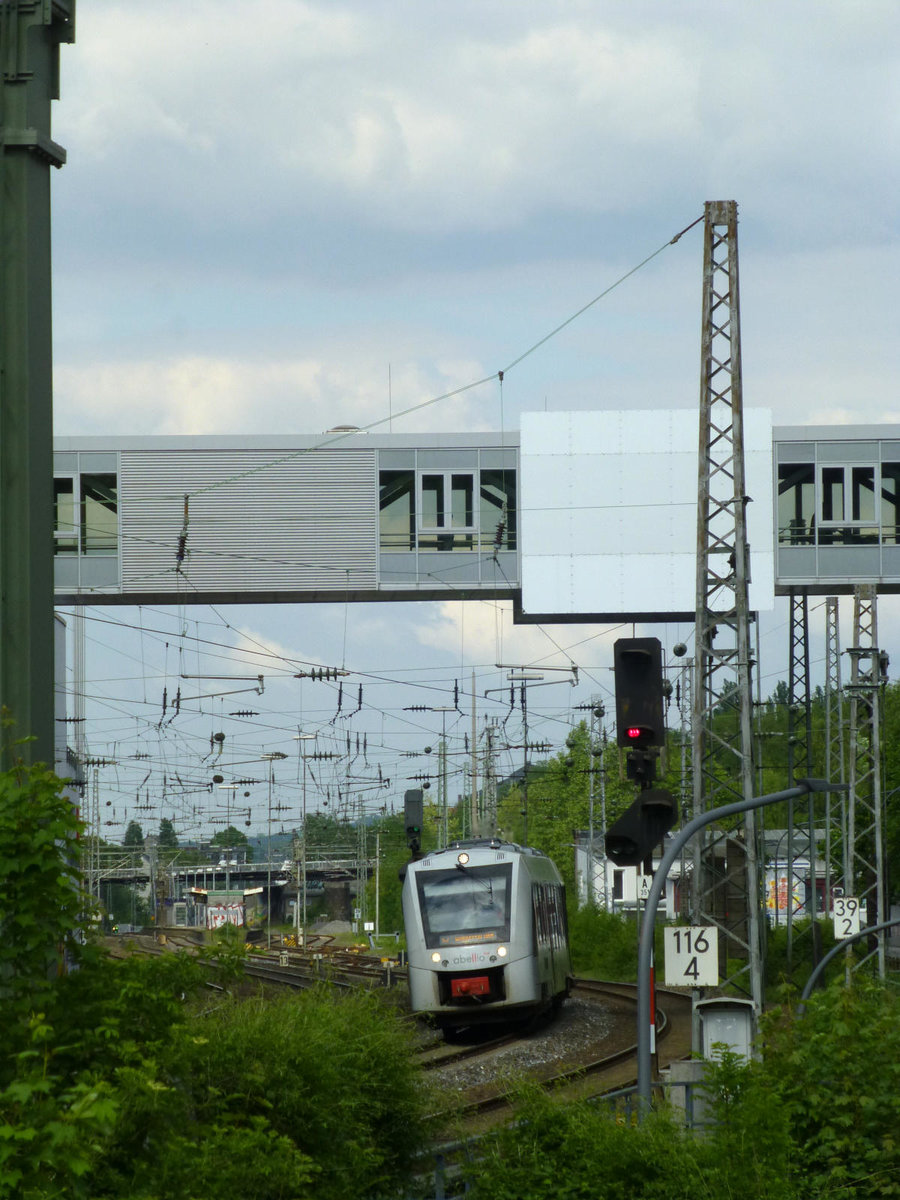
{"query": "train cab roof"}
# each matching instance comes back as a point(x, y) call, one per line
point(487, 844)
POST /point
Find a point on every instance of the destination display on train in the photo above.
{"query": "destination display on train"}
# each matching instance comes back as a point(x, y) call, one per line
point(466, 939)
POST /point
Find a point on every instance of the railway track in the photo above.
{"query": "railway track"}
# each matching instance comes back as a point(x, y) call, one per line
point(600, 1066)
point(290, 967)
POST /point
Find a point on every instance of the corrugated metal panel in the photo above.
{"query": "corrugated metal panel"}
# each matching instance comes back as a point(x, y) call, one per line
point(256, 520)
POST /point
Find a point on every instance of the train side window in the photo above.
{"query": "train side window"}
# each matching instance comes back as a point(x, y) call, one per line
point(541, 915)
point(556, 938)
point(563, 914)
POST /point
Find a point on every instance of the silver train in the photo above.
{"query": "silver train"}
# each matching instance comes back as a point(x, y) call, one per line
point(486, 934)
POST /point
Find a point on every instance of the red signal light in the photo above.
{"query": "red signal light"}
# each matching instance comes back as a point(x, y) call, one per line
point(634, 733)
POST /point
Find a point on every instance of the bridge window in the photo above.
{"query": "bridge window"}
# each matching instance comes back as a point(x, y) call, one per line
point(447, 509)
point(65, 523)
point(890, 503)
point(856, 505)
point(86, 514)
point(497, 494)
point(397, 510)
point(848, 505)
point(99, 514)
point(796, 504)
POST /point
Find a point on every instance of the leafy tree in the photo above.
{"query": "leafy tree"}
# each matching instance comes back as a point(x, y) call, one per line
point(229, 838)
point(120, 1080)
point(835, 1073)
point(749, 1134)
point(51, 1124)
point(123, 903)
point(134, 835)
point(395, 855)
point(814, 1118)
point(167, 838)
point(41, 899)
point(327, 833)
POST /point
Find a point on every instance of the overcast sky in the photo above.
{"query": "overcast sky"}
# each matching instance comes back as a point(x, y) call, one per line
point(279, 216)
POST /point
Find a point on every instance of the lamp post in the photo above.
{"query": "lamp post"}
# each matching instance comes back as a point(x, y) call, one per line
point(525, 676)
point(442, 759)
point(270, 758)
point(231, 788)
point(303, 737)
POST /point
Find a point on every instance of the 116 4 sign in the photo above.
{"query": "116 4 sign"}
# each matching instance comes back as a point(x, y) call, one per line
point(692, 956)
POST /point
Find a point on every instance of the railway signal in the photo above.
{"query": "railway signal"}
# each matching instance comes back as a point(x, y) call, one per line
point(643, 825)
point(641, 730)
point(412, 818)
point(637, 666)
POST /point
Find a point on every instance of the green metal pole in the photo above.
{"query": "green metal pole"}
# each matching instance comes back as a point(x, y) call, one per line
point(645, 950)
point(30, 35)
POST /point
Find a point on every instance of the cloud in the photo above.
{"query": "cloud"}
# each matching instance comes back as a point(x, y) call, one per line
point(423, 121)
point(267, 204)
point(201, 394)
point(269, 652)
point(484, 633)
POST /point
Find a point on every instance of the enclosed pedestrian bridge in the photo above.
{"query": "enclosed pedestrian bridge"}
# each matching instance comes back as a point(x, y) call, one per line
point(141, 520)
point(585, 515)
point(837, 510)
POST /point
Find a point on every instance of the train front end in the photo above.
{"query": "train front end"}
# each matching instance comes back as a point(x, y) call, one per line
point(469, 933)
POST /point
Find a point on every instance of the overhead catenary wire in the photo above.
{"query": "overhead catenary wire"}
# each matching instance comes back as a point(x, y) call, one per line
point(182, 745)
point(172, 730)
point(333, 439)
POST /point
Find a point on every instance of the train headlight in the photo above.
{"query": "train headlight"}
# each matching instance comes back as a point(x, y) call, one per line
point(435, 957)
point(462, 858)
point(501, 952)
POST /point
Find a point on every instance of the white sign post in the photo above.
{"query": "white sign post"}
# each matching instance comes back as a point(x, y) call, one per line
point(845, 910)
point(692, 956)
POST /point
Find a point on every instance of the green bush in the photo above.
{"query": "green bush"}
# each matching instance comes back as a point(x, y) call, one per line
point(42, 902)
point(815, 1118)
point(128, 1079)
point(795, 969)
point(605, 944)
point(835, 1073)
point(330, 1079)
point(580, 1152)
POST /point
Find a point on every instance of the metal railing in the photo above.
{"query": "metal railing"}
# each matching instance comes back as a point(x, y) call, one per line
point(444, 1179)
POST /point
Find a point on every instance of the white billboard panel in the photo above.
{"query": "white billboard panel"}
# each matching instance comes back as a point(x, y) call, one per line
point(609, 511)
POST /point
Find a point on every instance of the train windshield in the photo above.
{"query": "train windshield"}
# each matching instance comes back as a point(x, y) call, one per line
point(465, 904)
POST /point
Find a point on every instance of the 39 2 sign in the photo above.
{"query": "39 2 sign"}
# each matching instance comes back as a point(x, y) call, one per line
point(845, 910)
point(692, 956)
